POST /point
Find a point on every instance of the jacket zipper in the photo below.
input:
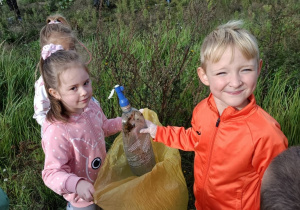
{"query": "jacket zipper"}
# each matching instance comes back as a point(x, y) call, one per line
point(218, 122)
point(209, 159)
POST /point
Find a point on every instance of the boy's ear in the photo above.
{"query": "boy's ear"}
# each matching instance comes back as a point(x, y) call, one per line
point(54, 93)
point(202, 75)
point(260, 63)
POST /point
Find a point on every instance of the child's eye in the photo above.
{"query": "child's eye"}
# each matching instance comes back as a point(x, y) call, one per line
point(73, 88)
point(87, 82)
point(220, 73)
point(247, 70)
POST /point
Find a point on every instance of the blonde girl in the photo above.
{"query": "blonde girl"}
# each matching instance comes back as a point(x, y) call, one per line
point(74, 129)
point(57, 31)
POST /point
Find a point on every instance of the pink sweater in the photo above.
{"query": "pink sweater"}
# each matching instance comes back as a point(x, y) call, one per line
point(76, 150)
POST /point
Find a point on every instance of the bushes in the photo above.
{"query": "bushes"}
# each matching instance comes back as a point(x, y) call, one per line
point(150, 47)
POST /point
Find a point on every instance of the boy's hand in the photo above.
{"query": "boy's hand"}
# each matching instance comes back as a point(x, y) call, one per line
point(152, 128)
point(85, 190)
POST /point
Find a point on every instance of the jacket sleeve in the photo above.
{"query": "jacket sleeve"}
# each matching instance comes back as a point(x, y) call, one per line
point(179, 137)
point(176, 137)
point(57, 173)
point(266, 148)
point(41, 102)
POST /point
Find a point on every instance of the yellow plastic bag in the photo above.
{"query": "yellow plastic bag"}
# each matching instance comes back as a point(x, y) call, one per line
point(163, 188)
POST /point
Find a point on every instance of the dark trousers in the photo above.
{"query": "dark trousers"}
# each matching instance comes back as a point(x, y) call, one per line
point(13, 6)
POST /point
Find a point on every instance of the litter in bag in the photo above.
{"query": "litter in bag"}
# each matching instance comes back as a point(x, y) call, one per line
point(116, 187)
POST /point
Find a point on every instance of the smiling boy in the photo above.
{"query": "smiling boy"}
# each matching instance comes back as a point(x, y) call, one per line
point(234, 139)
point(232, 79)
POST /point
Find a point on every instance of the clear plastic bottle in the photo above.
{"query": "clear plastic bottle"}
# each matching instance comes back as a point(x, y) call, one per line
point(137, 146)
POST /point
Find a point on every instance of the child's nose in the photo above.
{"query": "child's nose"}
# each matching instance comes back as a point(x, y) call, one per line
point(235, 81)
point(83, 91)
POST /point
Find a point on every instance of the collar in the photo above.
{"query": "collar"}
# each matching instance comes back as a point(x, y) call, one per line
point(75, 117)
point(231, 112)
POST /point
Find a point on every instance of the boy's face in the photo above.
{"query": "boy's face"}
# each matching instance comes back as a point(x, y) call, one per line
point(232, 79)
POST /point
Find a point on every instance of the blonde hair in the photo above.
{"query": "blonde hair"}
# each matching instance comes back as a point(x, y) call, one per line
point(52, 68)
point(58, 18)
point(59, 34)
point(63, 32)
point(231, 35)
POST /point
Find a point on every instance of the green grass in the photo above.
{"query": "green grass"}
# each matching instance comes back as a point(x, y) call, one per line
point(282, 101)
point(150, 47)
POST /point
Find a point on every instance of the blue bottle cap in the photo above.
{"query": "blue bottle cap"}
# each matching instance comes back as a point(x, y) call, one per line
point(123, 101)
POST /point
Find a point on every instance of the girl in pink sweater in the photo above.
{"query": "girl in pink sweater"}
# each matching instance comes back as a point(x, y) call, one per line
point(74, 130)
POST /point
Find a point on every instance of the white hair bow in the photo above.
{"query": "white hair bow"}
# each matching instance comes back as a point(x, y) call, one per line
point(49, 49)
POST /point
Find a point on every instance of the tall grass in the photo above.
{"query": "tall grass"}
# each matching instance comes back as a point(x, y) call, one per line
point(21, 156)
point(152, 48)
point(17, 83)
point(282, 101)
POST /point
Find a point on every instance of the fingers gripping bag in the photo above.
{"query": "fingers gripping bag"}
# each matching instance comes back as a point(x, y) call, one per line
point(164, 187)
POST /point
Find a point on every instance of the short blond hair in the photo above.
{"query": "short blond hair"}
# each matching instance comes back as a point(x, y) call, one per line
point(232, 35)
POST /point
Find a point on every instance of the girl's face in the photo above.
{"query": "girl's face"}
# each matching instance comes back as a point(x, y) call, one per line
point(232, 79)
point(75, 89)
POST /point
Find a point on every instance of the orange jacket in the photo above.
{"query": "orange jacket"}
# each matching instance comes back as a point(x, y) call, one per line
point(232, 151)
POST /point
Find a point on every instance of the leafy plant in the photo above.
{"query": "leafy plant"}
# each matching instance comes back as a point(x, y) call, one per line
point(65, 4)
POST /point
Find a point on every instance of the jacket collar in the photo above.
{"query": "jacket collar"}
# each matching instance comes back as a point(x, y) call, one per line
point(231, 112)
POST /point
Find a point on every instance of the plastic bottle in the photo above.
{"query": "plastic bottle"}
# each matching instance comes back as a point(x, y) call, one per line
point(137, 146)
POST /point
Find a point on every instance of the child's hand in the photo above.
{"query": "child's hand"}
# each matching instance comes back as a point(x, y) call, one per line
point(85, 190)
point(152, 128)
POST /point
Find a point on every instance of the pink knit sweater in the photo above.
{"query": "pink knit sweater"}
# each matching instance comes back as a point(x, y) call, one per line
point(76, 150)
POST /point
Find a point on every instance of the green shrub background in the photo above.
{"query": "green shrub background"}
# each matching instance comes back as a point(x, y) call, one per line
point(150, 47)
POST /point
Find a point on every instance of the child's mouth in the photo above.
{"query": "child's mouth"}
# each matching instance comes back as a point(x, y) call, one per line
point(85, 100)
point(235, 92)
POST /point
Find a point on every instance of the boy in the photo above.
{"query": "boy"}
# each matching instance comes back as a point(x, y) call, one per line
point(233, 138)
point(280, 187)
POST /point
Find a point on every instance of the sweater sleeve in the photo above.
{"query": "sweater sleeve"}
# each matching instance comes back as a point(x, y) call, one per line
point(41, 102)
point(57, 172)
point(110, 126)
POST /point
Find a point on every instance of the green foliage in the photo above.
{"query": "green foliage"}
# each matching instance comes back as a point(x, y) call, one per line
point(150, 55)
point(150, 47)
point(282, 101)
point(65, 4)
point(21, 156)
point(16, 105)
